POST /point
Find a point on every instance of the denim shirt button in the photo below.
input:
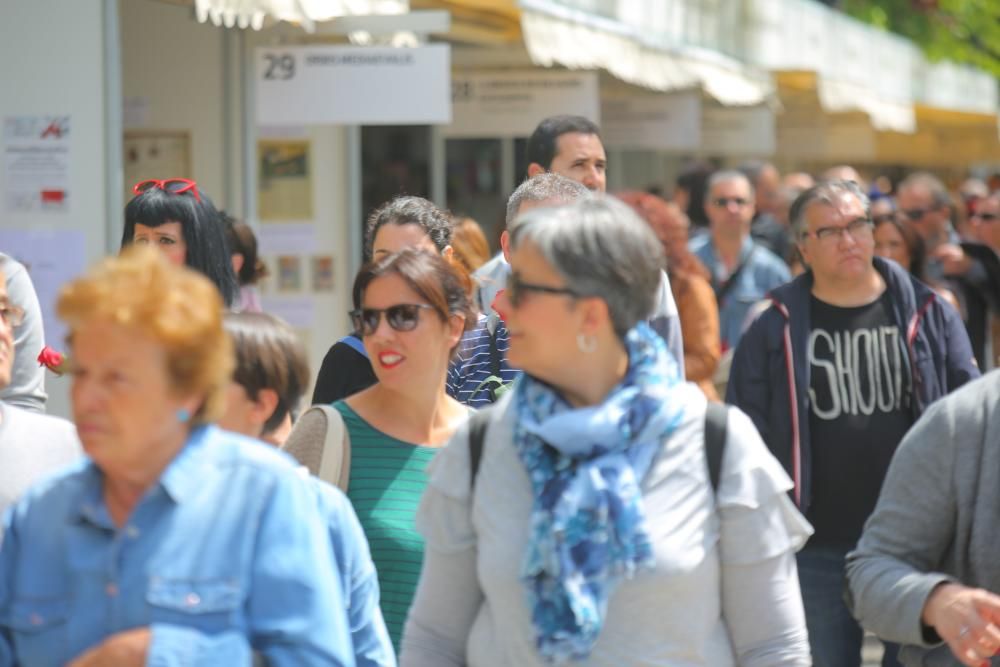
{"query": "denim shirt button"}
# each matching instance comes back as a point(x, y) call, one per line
point(192, 600)
point(111, 590)
point(36, 619)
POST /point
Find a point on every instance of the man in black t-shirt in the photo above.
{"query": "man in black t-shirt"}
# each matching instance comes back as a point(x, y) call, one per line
point(833, 375)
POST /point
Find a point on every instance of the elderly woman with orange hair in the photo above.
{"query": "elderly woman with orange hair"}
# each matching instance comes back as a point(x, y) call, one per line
point(174, 542)
point(689, 281)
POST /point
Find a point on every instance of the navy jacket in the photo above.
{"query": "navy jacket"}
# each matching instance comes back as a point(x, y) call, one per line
point(769, 379)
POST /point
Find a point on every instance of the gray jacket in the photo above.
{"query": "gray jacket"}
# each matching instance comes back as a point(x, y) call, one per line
point(27, 382)
point(936, 521)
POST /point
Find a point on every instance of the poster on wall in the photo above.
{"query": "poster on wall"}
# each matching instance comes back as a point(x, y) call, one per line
point(284, 183)
point(648, 121)
point(155, 154)
point(37, 154)
point(52, 258)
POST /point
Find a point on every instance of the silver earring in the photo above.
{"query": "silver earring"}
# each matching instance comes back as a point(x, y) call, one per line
point(587, 344)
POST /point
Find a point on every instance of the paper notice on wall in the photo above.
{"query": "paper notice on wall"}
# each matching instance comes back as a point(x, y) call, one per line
point(36, 155)
point(52, 258)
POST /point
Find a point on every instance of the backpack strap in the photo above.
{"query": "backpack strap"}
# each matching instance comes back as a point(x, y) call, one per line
point(716, 426)
point(477, 437)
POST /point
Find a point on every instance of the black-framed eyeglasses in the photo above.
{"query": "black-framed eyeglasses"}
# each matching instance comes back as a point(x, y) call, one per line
point(401, 317)
point(11, 315)
point(517, 288)
point(987, 217)
point(860, 230)
point(724, 202)
point(884, 217)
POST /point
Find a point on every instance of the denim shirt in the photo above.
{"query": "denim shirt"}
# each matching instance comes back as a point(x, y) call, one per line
point(359, 580)
point(763, 272)
point(223, 557)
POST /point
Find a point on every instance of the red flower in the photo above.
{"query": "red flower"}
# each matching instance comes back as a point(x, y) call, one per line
point(52, 359)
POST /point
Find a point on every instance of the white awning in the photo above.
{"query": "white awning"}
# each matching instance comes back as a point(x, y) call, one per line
point(253, 13)
point(581, 41)
point(885, 115)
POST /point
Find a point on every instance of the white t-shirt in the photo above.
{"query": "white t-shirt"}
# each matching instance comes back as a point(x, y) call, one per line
point(721, 559)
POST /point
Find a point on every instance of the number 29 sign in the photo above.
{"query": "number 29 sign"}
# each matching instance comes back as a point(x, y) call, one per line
point(349, 85)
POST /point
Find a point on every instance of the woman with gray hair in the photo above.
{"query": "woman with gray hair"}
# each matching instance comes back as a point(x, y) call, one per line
point(581, 518)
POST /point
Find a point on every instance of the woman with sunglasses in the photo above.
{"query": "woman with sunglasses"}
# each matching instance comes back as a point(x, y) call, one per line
point(586, 528)
point(404, 222)
point(180, 220)
point(411, 309)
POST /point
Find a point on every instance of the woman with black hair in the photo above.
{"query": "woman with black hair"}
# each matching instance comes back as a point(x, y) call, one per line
point(180, 220)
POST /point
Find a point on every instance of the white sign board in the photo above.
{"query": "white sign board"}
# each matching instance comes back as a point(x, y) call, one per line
point(36, 154)
point(510, 104)
point(351, 85)
point(738, 131)
point(652, 122)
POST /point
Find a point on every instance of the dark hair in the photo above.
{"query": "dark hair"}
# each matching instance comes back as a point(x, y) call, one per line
point(201, 225)
point(541, 148)
point(694, 180)
point(269, 355)
point(914, 245)
point(243, 242)
point(437, 224)
point(442, 285)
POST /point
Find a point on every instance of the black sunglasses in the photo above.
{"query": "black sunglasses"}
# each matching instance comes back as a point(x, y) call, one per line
point(517, 288)
point(885, 217)
point(987, 217)
point(916, 213)
point(401, 317)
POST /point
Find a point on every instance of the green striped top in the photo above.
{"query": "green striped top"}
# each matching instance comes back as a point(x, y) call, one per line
point(388, 477)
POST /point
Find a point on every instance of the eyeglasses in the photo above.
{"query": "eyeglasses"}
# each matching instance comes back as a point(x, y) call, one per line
point(401, 317)
point(860, 230)
point(916, 213)
point(987, 217)
point(11, 315)
point(724, 202)
point(885, 217)
point(175, 186)
point(517, 288)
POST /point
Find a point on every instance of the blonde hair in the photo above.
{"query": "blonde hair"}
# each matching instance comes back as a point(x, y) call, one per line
point(175, 306)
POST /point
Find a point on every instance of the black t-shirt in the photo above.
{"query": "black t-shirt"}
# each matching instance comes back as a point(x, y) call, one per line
point(345, 371)
point(859, 410)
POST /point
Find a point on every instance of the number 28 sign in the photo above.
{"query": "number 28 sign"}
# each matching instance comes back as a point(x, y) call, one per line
point(348, 85)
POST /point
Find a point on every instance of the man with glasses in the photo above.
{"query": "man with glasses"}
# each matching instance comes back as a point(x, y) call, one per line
point(31, 445)
point(743, 271)
point(833, 374)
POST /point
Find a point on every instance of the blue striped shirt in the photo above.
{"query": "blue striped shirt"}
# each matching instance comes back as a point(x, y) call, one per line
point(472, 364)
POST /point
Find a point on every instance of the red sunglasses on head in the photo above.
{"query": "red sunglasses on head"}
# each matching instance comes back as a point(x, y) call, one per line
point(175, 186)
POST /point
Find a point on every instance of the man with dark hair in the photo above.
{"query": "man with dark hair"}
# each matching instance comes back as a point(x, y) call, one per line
point(833, 374)
point(569, 146)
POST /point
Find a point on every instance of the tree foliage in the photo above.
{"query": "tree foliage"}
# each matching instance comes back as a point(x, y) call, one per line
point(965, 31)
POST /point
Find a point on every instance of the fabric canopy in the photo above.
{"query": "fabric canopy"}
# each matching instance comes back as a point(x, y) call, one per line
point(253, 13)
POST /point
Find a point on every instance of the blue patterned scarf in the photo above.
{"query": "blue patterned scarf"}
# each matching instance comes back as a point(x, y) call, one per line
point(588, 526)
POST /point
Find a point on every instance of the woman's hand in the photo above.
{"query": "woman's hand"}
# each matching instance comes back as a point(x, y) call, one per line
point(125, 649)
point(967, 619)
